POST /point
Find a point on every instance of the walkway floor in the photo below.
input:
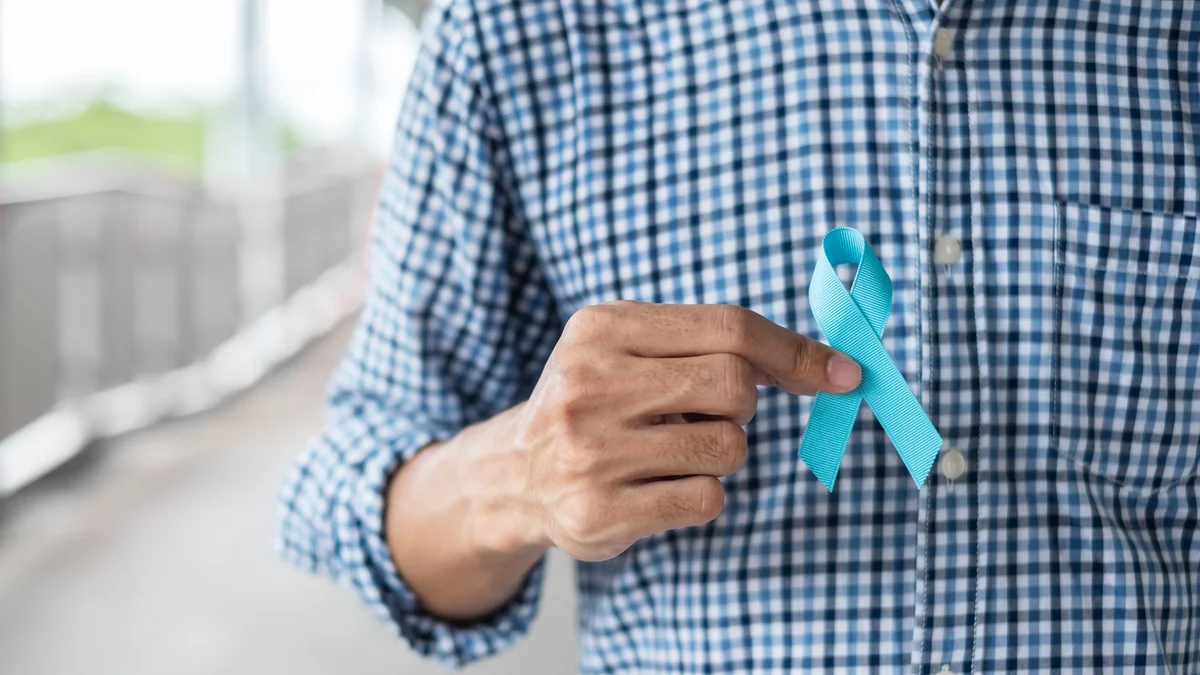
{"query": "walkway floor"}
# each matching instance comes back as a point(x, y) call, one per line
point(152, 555)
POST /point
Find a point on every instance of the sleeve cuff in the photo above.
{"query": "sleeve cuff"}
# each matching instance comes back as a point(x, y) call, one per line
point(364, 563)
point(452, 644)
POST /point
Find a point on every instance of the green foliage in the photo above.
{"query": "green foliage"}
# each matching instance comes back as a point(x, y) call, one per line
point(178, 140)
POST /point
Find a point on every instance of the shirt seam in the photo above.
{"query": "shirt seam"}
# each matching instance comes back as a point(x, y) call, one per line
point(974, 225)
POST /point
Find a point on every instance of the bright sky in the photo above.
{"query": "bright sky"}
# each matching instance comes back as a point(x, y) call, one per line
point(163, 53)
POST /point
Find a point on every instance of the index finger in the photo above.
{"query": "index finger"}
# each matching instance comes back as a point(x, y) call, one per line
point(787, 359)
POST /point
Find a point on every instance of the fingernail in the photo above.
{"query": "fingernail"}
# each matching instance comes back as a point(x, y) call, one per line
point(844, 373)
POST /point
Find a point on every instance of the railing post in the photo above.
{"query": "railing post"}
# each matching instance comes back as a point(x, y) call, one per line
point(260, 258)
point(4, 318)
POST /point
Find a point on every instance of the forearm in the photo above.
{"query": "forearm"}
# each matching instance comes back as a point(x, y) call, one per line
point(458, 529)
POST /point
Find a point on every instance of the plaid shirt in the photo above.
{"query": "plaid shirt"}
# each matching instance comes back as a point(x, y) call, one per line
point(1029, 174)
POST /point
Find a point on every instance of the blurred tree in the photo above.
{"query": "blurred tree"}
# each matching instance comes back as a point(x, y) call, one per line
point(177, 140)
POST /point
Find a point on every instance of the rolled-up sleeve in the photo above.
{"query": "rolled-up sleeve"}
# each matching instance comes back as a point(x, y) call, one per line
point(456, 327)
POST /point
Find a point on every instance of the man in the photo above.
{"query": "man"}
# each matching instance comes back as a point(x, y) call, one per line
point(1028, 172)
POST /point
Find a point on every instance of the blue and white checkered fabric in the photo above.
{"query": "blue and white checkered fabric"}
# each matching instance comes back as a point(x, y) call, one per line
point(553, 155)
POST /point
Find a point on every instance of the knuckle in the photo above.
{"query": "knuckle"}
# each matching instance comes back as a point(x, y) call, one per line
point(579, 383)
point(709, 500)
point(583, 520)
point(733, 446)
point(619, 306)
point(566, 422)
point(749, 408)
point(588, 323)
point(804, 354)
point(734, 325)
point(737, 377)
point(589, 386)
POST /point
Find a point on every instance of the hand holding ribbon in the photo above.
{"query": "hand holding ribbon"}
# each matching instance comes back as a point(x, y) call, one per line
point(853, 322)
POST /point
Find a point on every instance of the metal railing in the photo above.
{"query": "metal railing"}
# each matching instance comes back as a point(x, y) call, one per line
point(126, 299)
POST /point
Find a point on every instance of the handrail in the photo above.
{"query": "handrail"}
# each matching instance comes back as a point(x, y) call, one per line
point(122, 302)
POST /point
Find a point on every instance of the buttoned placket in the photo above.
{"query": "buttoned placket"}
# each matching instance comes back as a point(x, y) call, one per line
point(947, 535)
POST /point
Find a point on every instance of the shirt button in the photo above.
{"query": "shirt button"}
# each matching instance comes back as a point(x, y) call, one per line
point(947, 250)
point(945, 671)
point(943, 42)
point(952, 465)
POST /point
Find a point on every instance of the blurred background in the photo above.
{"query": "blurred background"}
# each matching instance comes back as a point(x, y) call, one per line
point(185, 191)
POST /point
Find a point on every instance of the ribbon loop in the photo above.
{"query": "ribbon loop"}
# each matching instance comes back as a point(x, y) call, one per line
point(853, 322)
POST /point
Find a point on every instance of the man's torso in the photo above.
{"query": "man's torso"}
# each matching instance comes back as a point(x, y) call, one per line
point(697, 152)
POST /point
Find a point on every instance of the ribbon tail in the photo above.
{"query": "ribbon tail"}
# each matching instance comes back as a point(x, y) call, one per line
point(920, 463)
point(920, 450)
point(828, 430)
point(900, 414)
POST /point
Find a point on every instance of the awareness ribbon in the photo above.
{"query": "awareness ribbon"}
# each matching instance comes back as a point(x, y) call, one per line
point(853, 323)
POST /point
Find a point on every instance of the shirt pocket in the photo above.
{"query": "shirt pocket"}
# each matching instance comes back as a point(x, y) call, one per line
point(1127, 345)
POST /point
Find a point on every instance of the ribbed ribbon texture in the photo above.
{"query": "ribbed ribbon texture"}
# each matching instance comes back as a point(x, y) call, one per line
point(853, 322)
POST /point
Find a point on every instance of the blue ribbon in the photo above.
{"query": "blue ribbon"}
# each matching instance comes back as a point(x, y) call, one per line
point(853, 323)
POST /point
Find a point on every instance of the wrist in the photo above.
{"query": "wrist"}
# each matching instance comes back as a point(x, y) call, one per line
point(452, 533)
point(502, 516)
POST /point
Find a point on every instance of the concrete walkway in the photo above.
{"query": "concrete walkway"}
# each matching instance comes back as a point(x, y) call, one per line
point(152, 555)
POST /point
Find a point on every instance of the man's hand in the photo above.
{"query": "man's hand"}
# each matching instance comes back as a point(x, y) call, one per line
point(640, 409)
point(637, 414)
